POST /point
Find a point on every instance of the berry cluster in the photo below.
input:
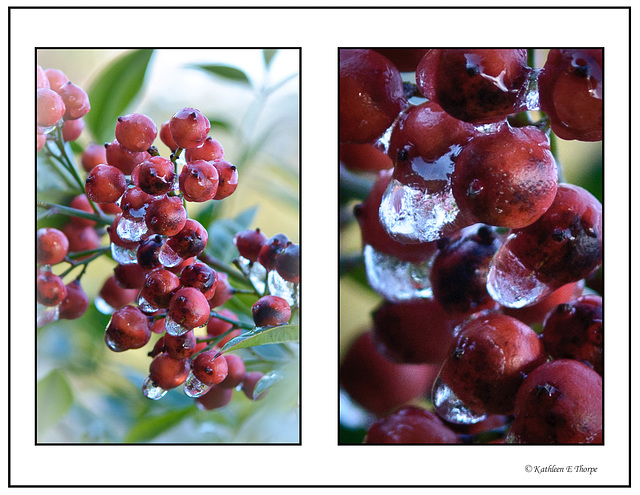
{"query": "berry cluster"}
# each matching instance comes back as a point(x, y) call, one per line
point(59, 103)
point(479, 250)
point(163, 282)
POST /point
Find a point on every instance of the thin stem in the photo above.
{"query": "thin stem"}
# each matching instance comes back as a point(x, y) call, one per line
point(236, 323)
point(73, 212)
point(96, 253)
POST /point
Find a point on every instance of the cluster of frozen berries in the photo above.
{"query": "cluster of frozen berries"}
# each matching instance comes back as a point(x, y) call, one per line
point(472, 240)
point(59, 102)
point(161, 283)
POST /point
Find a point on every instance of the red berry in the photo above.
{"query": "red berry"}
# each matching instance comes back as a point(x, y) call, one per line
point(166, 216)
point(227, 179)
point(215, 398)
point(105, 184)
point(155, 176)
point(249, 243)
point(120, 157)
point(116, 296)
point(52, 246)
point(217, 327)
point(75, 303)
point(199, 181)
point(210, 369)
point(41, 78)
point(127, 329)
point(148, 252)
point(159, 287)
point(189, 128)
point(202, 277)
point(410, 425)
point(288, 263)
point(136, 132)
point(190, 241)
point(168, 372)
point(130, 276)
point(211, 150)
point(81, 202)
point(72, 129)
point(270, 250)
point(180, 346)
point(81, 237)
point(166, 138)
point(189, 308)
point(50, 107)
point(249, 383)
point(93, 155)
point(50, 289)
point(270, 311)
point(405, 59)
point(236, 371)
point(364, 157)
point(56, 78)
point(75, 100)
point(224, 291)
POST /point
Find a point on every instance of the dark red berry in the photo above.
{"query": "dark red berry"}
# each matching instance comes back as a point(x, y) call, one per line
point(127, 329)
point(271, 249)
point(159, 287)
point(199, 181)
point(189, 128)
point(189, 308)
point(75, 303)
point(50, 289)
point(120, 157)
point(227, 179)
point(211, 150)
point(410, 425)
point(249, 243)
point(156, 175)
point(52, 246)
point(166, 216)
point(168, 372)
point(202, 277)
point(270, 311)
point(76, 101)
point(210, 369)
point(50, 107)
point(288, 263)
point(136, 132)
point(105, 184)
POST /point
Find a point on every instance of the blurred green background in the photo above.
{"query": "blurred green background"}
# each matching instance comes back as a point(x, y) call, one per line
point(87, 393)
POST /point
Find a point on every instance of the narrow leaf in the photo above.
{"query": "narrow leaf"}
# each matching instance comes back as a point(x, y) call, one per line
point(54, 398)
point(225, 71)
point(114, 90)
point(268, 55)
point(149, 427)
point(262, 336)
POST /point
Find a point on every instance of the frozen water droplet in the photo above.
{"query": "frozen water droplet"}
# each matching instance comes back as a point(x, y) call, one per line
point(412, 214)
point(131, 229)
point(47, 314)
point(123, 256)
point(512, 284)
point(145, 306)
point(449, 407)
point(394, 279)
point(174, 328)
point(151, 391)
point(194, 387)
point(282, 288)
point(256, 272)
point(532, 93)
point(103, 306)
point(168, 257)
point(489, 128)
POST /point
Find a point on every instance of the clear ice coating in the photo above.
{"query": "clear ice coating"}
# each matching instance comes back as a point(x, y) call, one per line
point(122, 255)
point(278, 286)
point(145, 306)
point(394, 279)
point(256, 273)
point(103, 306)
point(532, 92)
point(131, 229)
point(194, 387)
point(420, 211)
point(173, 327)
point(449, 407)
point(512, 284)
point(168, 257)
point(151, 391)
point(47, 314)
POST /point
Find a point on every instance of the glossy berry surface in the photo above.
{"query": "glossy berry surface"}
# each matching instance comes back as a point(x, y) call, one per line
point(405, 59)
point(127, 329)
point(199, 181)
point(76, 101)
point(52, 246)
point(211, 150)
point(270, 250)
point(159, 287)
point(571, 90)
point(105, 184)
point(180, 346)
point(49, 106)
point(75, 303)
point(248, 242)
point(166, 216)
point(574, 331)
point(488, 360)
point(227, 179)
point(115, 295)
point(189, 128)
point(410, 425)
point(288, 263)
point(210, 369)
point(236, 371)
point(460, 268)
point(270, 311)
point(506, 178)
point(123, 159)
point(200, 276)
point(559, 402)
point(188, 307)
point(168, 372)
point(156, 175)
point(50, 289)
point(148, 251)
point(249, 384)
point(190, 241)
point(136, 132)
point(364, 157)
point(371, 95)
point(474, 85)
point(94, 154)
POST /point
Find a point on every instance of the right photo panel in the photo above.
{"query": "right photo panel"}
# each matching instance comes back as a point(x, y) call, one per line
point(471, 246)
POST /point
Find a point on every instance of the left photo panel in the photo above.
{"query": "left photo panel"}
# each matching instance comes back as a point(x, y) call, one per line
point(167, 246)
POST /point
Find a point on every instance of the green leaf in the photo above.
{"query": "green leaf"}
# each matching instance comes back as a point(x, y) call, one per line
point(268, 55)
point(262, 336)
point(222, 231)
point(114, 90)
point(217, 125)
point(225, 71)
point(54, 398)
point(149, 427)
